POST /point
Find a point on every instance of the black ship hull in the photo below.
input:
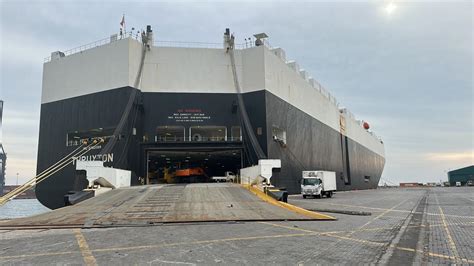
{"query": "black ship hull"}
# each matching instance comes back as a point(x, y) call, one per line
point(310, 144)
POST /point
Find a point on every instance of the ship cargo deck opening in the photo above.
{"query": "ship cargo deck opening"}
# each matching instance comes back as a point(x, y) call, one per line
point(191, 165)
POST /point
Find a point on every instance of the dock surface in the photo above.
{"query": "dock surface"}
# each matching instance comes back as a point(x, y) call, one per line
point(406, 226)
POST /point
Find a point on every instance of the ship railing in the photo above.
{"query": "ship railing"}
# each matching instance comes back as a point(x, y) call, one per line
point(333, 100)
point(350, 115)
point(97, 43)
point(201, 139)
point(370, 132)
point(169, 139)
point(136, 36)
point(323, 91)
point(251, 43)
point(210, 45)
point(181, 44)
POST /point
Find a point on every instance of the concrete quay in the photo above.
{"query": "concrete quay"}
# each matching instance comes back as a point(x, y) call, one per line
point(406, 226)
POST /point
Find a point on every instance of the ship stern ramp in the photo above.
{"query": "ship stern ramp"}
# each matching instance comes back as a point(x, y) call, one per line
point(160, 204)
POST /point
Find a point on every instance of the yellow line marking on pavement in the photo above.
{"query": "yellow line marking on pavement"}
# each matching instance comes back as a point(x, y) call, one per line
point(405, 249)
point(348, 237)
point(38, 255)
point(84, 247)
point(323, 234)
point(403, 227)
point(468, 198)
point(452, 245)
point(348, 205)
point(291, 228)
point(433, 254)
point(390, 228)
point(304, 234)
point(160, 245)
point(380, 215)
point(395, 217)
point(368, 242)
point(404, 211)
point(290, 207)
point(203, 242)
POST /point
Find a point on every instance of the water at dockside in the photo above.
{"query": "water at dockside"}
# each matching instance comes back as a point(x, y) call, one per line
point(18, 208)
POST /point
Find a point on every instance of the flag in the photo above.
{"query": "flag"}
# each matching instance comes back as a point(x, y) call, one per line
point(122, 23)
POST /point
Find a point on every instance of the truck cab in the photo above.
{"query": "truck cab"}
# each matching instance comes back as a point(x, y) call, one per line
point(311, 187)
point(318, 184)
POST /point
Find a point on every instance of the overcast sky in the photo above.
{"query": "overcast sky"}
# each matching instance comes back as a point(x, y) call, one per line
point(409, 73)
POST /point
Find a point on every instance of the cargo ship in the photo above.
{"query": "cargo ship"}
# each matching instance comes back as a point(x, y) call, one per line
point(163, 107)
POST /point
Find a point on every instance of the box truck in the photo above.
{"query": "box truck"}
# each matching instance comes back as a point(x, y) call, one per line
point(318, 184)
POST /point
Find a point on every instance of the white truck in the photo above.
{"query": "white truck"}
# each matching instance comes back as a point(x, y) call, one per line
point(318, 184)
point(228, 177)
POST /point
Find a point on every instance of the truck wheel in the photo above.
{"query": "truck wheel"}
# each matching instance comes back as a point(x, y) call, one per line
point(304, 196)
point(329, 194)
point(319, 196)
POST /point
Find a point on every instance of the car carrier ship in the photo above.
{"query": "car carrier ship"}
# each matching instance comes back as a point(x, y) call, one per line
point(162, 107)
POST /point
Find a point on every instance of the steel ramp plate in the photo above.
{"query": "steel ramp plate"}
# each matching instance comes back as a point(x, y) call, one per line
point(180, 203)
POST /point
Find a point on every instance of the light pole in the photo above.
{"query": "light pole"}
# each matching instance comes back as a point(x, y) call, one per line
point(447, 173)
point(17, 178)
